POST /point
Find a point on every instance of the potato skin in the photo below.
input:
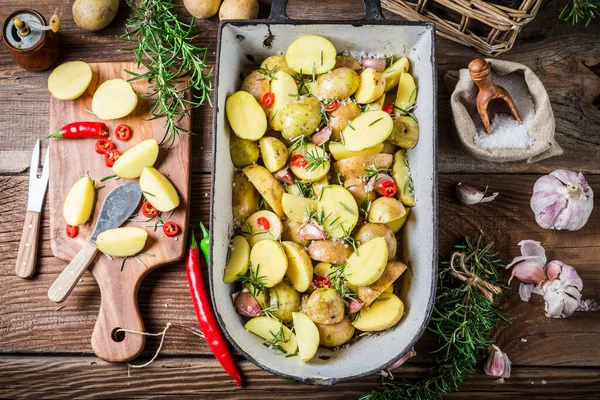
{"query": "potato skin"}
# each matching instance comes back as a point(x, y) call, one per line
point(325, 306)
point(355, 166)
point(290, 232)
point(340, 83)
point(93, 15)
point(279, 63)
point(244, 199)
point(369, 231)
point(202, 8)
point(340, 117)
point(405, 133)
point(285, 299)
point(257, 86)
point(238, 9)
point(332, 251)
point(243, 152)
point(334, 335)
point(384, 210)
point(301, 117)
point(347, 61)
point(357, 187)
point(392, 271)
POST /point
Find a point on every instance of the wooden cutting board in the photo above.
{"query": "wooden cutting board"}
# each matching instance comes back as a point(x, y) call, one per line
point(69, 161)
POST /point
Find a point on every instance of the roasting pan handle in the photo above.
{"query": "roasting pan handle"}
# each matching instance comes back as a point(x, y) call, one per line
point(372, 11)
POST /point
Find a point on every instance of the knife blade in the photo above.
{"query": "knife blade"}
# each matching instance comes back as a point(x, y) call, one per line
point(26, 257)
point(118, 205)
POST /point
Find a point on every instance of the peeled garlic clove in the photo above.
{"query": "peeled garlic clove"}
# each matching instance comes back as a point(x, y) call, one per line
point(322, 136)
point(497, 364)
point(247, 305)
point(528, 272)
point(284, 175)
point(469, 195)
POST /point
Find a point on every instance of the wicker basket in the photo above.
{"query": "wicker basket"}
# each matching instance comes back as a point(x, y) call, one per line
point(490, 28)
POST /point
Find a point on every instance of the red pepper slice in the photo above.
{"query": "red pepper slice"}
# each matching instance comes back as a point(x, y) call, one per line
point(79, 130)
point(332, 106)
point(298, 161)
point(170, 229)
point(110, 157)
point(268, 99)
point(388, 189)
point(72, 231)
point(388, 108)
point(263, 223)
point(148, 210)
point(123, 132)
point(103, 145)
point(321, 282)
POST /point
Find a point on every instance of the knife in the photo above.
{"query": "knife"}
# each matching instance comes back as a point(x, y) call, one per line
point(26, 257)
point(118, 205)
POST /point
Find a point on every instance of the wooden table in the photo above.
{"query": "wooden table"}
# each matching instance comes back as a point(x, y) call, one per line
point(47, 353)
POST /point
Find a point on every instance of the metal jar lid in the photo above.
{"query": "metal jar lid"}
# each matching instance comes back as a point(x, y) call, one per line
point(13, 38)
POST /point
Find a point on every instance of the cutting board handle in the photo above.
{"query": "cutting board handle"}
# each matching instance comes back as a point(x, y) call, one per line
point(372, 11)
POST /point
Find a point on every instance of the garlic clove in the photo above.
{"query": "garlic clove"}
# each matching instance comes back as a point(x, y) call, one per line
point(322, 136)
point(469, 195)
point(311, 232)
point(553, 270)
point(377, 64)
point(246, 304)
point(533, 248)
point(355, 306)
point(528, 272)
point(410, 354)
point(498, 364)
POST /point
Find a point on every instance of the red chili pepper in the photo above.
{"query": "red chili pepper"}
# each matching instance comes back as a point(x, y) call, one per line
point(123, 132)
point(148, 210)
point(72, 231)
point(388, 189)
point(321, 282)
point(80, 130)
point(332, 106)
point(170, 229)
point(110, 157)
point(103, 145)
point(388, 108)
point(263, 223)
point(268, 99)
point(205, 315)
point(298, 161)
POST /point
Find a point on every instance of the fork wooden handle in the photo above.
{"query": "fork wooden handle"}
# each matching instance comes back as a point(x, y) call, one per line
point(67, 280)
point(27, 255)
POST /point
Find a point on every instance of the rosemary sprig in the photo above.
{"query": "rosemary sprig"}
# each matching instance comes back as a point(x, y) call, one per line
point(277, 339)
point(297, 142)
point(302, 82)
point(373, 172)
point(268, 73)
point(162, 43)
point(315, 159)
point(463, 318)
point(338, 281)
point(579, 10)
point(305, 188)
point(255, 282)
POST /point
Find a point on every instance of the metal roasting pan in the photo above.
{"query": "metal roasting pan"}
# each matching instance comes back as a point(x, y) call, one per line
point(241, 46)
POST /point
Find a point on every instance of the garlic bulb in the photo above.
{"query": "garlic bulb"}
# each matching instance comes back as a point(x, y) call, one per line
point(562, 200)
point(497, 364)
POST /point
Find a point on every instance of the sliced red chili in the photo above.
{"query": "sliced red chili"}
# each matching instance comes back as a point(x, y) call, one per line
point(388, 108)
point(332, 106)
point(263, 223)
point(148, 210)
point(72, 231)
point(268, 99)
point(170, 229)
point(388, 189)
point(123, 132)
point(110, 157)
point(321, 282)
point(103, 145)
point(298, 161)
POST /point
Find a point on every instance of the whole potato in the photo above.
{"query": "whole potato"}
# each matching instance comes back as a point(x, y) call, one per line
point(325, 306)
point(334, 335)
point(243, 151)
point(357, 165)
point(257, 86)
point(384, 210)
point(202, 8)
point(93, 15)
point(300, 117)
point(244, 197)
point(347, 61)
point(369, 231)
point(277, 63)
point(405, 133)
point(333, 251)
point(238, 9)
point(340, 83)
point(285, 299)
point(358, 189)
point(340, 117)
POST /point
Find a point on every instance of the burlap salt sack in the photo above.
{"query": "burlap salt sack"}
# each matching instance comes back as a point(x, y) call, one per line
point(468, 122)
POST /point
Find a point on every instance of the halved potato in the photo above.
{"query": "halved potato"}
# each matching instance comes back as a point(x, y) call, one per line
point(339, 152)
point(317, 163)
point(284, 300)
point(134, 160)
point(284, 90)
point(273, 152)
point(114, 99)
point(358, 166)
point(371, 86)
point(402, 177)
point(245, 115)
point(333, 335)
point(262, 225)
point(405, 133)
point(367, 263)
point(325, 306)
point(384, 210)
point(385, 312)
point(277, 63)
point(70, 80)
point(269, 187)
point(339, 211)
point(307, 335)
point(300, 269)
point(239, 259)
point(393, 270)
point(310, 53)
point(370, 231)
point(244, 197)
point(268, 328)
point(397, 224)
point(243, 152)
point(122, 242)
point(298, 208)
point(269, 260)
point(393, 72)
point(79, 202)
point(367, 130)
point(407, 92)
point(159, 191)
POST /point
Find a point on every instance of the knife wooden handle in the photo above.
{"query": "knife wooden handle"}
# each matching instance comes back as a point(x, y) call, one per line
point(27, 255)
point(67, 280)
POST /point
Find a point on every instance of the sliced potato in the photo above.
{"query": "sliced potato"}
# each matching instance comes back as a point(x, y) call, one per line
point(371, 86)
point(367, 263)
point(393, 72)
point(389, 289)
point(334, 335)
point(257, 85)
point(244, 197)
point(393, 270)
point(269, 260)
point(396, 225)
point(358, 166)
point(310, 53)
point(238, 260)
point(340, 117)
point(284, 90)
point(384, 313)
point(319, 185)
point(299, 117)
point(267, 328)
point(290, 232)
point(70, 80)
point(340, 83)
point(284, 300)
point(331, 251)
point(245, 115)
point(307, 335)
point(277, 63)
point(158, 189)
point(407, 92)
point(243, 152)
point(347, 61)
point(384, 210)
point(131, 163)
point(323, 269)
point(405, 133)
point(114, 99)
point(79, 202)
point(262, 225)
point(370, 231)
point(269, 187)
point(298, 208)
point(367, 130)
point(122, 242)
point(325, 306)
point(273, 152)
point(402, 177)
point(317, 163)
point(339, 152)
point(339, 210)
point(300, 269)
point(358, 188)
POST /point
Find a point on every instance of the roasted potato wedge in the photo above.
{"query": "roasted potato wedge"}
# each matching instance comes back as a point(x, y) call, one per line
point(392, 271)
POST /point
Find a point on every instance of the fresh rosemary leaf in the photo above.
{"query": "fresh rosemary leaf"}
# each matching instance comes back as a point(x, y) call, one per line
point(376, 121)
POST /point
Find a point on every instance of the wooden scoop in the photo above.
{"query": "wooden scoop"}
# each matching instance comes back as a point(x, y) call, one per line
point(492, 98)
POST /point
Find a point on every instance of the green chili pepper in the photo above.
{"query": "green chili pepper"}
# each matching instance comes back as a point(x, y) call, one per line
point(205, 242)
